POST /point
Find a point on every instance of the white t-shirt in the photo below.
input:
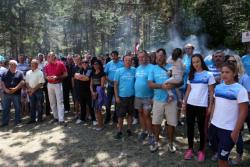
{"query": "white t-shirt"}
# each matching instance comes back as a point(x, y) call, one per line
point(227, 98)
point(198, 95)
point(34, 78)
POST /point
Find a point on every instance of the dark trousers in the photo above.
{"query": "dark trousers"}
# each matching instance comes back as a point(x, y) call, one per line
point(47, 104)
point(248, 119)
point(193, 113)
point(36, 103)
point(66, 90)
point(85, 100)
point(110, 94)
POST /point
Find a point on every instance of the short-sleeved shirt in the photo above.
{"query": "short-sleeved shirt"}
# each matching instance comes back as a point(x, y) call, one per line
point(2, 70)
point(83, 86)
point(111, 68)
point(55, 69)
point(142, 89)
point(76, 69)
point(158, 75)
point(126, 80)
point(11, 80)
point(96, 79)
point(33, 78)
point(245, 82)
point(23, 67)
point(215, 71)
point(246, 62)
point(227, 99)
point(199, 88)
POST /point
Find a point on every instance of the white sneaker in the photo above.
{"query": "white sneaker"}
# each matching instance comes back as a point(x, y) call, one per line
point(135, 121)
point(94, 123)
point(171, 148)
point(66, 111)
point(153, 146)
point(78, 121)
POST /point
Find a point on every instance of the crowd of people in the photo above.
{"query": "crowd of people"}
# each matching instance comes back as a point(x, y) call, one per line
point(148, 87)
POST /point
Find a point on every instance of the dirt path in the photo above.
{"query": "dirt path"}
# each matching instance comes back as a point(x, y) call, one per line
point(48, 144)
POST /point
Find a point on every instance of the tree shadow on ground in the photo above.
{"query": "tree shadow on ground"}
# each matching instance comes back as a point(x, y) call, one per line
point(48, 144)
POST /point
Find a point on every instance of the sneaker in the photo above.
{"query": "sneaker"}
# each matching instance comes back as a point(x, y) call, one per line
point(135, 121)
point(171, 148)
point(180, 123)
point(66, 111)
point(236, 161)
point(78, 121)
point(98, 129)
point(118, 136)
point(215, 157)
point(143, 136)
point(95, 123)
point(54, 121)
point(188, 154)
point(151, 139)
point(62, 123)
point(201, 156)
point(153, 146)
point(129, 132)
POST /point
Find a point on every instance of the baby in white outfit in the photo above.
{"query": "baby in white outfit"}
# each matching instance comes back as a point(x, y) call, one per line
point(177, 72)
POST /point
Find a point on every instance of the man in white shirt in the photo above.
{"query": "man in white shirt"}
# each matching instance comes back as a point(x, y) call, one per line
point(34, 82)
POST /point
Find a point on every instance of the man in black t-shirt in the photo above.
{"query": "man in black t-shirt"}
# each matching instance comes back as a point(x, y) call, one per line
point(81, 79)
point(12, 83)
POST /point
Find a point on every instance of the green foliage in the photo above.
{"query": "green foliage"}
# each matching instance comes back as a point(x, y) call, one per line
point(99, 26)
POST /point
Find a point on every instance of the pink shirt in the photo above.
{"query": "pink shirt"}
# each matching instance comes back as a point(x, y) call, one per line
point(55, 69)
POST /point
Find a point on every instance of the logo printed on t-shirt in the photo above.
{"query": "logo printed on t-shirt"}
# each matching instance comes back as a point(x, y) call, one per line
point(224, 153)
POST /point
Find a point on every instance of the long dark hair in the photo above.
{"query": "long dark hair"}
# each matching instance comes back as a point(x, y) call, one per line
point(177, 53)
point(192, 69)
point(100, 65)
point(233, 68)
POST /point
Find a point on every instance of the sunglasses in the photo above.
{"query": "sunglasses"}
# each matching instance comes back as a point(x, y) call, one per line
point(232, 61)
point(85, 62)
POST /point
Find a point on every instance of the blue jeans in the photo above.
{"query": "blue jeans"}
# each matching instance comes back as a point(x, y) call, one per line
point(36, 103)
point(110, 95)
point(7, 99)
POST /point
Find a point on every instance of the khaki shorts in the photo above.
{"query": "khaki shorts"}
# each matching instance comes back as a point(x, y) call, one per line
point(144, 104)
point(170, 111)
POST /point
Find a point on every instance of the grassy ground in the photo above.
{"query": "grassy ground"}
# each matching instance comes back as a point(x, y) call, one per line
point(48, 144)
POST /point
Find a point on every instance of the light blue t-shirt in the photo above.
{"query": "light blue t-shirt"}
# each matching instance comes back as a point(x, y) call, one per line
point(229, 92)
point(245, 81)
point(111, 68)
point(215, 71)
point(126, 80)
point(141, 81)
point(2, 70)
point(23, 67)
point(159, 76)
point(246, 62)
